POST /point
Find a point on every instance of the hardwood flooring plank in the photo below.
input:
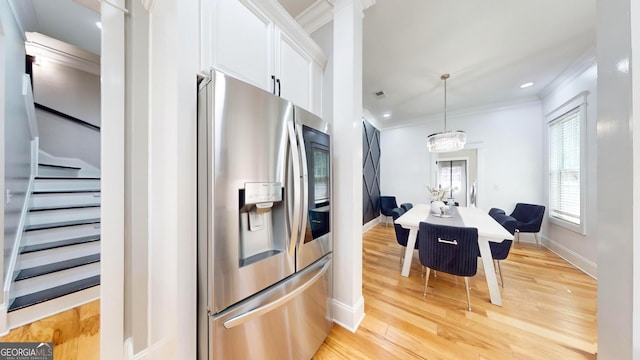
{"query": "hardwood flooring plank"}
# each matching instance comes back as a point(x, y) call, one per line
point(548, 312)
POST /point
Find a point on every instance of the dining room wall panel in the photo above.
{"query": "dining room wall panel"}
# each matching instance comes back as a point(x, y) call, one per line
point(370, 172)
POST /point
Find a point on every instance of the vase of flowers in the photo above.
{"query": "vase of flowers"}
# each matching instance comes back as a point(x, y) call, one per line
point(438, 193)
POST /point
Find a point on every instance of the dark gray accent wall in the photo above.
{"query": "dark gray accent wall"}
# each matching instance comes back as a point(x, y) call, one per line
point(370, 172)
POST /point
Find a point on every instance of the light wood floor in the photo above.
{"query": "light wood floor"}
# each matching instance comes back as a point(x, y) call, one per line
point(549, 310)
point(75, 333)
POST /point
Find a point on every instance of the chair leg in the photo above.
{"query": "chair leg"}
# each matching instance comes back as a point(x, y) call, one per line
point(466, 287)
point(517, 235)
point(500, 271)
point(426, 282)
point(435, 274)
point(535, 235)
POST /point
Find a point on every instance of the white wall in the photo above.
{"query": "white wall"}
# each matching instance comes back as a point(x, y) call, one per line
point(75, 93)
point(579, 249)
point(324, 38)
point(17, 136)
point(508, 142)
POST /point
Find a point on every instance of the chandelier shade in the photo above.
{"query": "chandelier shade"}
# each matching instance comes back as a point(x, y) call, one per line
point(446, 141)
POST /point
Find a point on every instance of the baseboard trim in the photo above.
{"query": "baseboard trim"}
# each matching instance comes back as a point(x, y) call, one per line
point(156, 351)
point(349, 317)
point(580, 262)
point(4, 323)
point(40, 311)
point(370, 225)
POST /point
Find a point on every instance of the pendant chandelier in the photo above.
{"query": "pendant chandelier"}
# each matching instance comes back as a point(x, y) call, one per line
point(447, 140)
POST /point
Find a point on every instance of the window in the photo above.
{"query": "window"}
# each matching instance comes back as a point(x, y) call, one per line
point(566, 165)
point(453, 175)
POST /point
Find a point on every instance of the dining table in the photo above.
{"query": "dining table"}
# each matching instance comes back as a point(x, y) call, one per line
point(489, 230)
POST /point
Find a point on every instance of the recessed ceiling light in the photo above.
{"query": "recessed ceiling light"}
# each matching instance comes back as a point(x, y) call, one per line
point(386, 115)
point(526, 85)
point(99, 25)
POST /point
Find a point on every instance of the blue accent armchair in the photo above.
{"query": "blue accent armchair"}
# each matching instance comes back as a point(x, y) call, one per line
point(387, 204)
point(529, 219)
point(451, 249)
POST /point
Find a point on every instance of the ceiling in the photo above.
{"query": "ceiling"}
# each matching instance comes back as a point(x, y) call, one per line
point(488, 47)
point(73, 22)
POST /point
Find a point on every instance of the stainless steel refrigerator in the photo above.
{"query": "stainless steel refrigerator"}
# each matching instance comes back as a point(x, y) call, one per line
point(264, 224)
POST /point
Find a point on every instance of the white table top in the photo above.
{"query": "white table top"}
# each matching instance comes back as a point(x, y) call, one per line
point(471, 217)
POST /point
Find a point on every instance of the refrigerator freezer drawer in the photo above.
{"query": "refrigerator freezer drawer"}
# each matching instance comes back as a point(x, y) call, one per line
point(288, 321)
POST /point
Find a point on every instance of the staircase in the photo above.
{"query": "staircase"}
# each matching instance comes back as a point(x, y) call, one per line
point(60, 247)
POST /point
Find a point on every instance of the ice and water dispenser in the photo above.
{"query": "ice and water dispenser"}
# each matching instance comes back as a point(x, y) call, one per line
point(262, 225)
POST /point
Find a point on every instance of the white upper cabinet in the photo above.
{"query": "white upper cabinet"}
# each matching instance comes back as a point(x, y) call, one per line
point(294, 72)
point(243, 42)
point(258, 42)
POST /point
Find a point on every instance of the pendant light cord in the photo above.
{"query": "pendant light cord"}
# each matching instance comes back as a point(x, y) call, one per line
point(445, 77)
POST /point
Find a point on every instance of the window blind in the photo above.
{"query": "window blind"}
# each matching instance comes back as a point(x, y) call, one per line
point(564, 167)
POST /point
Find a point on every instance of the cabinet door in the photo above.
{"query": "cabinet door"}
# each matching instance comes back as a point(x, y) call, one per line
point(243, 39)
point(294, 69)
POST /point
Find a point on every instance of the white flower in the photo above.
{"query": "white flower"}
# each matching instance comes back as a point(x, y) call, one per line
point(438, 193)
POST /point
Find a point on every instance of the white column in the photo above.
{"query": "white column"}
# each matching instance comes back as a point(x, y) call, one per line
point(348, 302)
point(112, 182)
point(618, 179)
point(174, 64)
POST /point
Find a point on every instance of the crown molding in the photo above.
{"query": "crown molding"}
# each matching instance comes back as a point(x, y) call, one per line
point(577, 68)
point(321, 12)
point(57, 51)
point(316, 16)
point(283, 19)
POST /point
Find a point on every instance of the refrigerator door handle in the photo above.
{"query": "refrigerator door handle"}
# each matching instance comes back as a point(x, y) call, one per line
point(295, 226)
point(261, 310)
point(305, 183)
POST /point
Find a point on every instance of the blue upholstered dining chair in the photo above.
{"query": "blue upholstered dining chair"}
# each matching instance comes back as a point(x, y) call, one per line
point(494, 211)
point(529, 218)
point(406, 206)
point(500, 251)
point(387, 204)
point(402, 234)
point(450, 249)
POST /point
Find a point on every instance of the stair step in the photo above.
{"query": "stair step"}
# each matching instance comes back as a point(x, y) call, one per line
point(43, 200)
point(55, 234)
point(52, 183)
point(45, 169)
point(53, 293)
point(36, 209)
point(58, 266)
point(59, 166)
point(46, 281)
point(54, 255)
point(62, 224)
point(52, 216)
point(58, 244)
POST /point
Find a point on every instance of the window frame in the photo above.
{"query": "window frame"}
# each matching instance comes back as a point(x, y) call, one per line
point(577, 102)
